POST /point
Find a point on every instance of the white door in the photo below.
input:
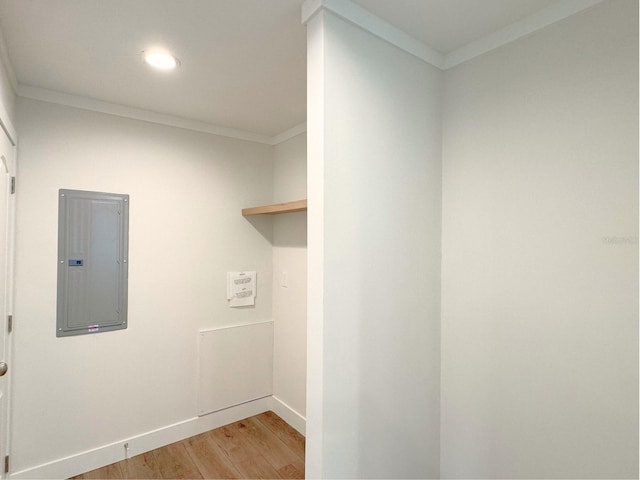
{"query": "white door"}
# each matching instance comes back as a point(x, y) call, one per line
point(7, 172)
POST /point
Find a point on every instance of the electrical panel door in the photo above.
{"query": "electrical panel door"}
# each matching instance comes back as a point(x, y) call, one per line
point(93, 248)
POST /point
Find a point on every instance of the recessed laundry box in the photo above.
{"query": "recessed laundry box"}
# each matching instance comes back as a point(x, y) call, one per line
point(235, 365)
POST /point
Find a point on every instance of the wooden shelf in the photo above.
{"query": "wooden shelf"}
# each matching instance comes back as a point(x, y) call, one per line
point(287, 207)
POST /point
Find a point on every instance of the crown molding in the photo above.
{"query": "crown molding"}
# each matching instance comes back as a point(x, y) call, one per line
point(366, 20)
point(84, 103)
point(527, 25)
point(289, 134)
point(359, 16)
point(94, 105)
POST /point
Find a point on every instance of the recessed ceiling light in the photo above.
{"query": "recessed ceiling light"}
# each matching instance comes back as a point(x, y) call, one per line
point(161, 60)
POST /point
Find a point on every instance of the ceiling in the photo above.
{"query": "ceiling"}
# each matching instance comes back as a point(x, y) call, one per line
point(446, 25)
point(243, 62)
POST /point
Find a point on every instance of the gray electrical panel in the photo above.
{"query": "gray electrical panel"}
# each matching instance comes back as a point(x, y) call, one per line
point(93, 247)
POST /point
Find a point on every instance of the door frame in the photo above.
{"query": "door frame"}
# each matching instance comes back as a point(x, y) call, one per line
point(9, 130)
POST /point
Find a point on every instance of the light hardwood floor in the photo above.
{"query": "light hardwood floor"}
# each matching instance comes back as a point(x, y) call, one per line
point(263, 446)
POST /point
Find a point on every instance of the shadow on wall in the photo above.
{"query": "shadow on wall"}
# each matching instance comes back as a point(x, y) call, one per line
point(263, 224)
point(290, 230)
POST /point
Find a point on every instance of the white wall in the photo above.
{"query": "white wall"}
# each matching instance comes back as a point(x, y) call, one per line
point(187, 189)
point(290, 261)
point(374, 180)
point(539, 307)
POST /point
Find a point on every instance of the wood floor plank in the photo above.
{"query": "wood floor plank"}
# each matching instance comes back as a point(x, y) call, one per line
point(174, 462)
point(267, 443)
point(264, 446)
point(291, 471)
point(144, 466)
point(285, 432)
point(257, 467)
point(233, 444)
point(211, 461)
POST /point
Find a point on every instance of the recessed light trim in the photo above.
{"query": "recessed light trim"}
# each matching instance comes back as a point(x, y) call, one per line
point(161, 60)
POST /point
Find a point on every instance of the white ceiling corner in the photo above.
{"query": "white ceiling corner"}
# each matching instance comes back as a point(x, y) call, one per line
point(289, 134)
point(363, 18)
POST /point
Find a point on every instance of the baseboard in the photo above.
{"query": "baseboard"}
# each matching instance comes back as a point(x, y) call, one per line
point(289, 415)
point(115, 452)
